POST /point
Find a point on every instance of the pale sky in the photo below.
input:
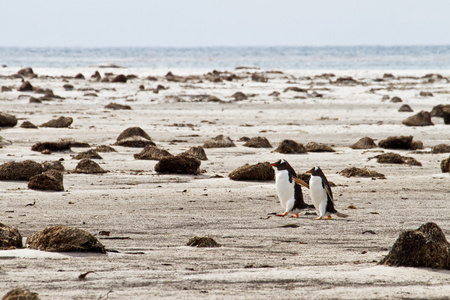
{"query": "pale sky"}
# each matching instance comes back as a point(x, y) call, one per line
point(191, 23)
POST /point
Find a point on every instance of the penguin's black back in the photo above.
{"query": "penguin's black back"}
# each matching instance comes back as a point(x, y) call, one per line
point(316, 171)
point(298, 195)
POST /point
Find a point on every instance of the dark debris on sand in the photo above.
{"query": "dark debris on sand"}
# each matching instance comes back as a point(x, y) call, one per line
point(134, 137)
point(261, 172)
point(91, 154)
point(400, 142)
point(445, 165)
point(179, 164)
point(290, 147)
point(23, 170)
point(21, 294)
point(52, 146)
point(425, 247)
point(10, 238)
point(7, 120)
point(318, 147)
point(219, 141)
point(151, 152)
point(364, 143)
point(441, 148)
point(61, 122)
point(197, 152)
point(422, 118)
point(87, 166)
point(203, 241)
point(358, 172)
point(51, 180)
point(395, 158)
point(258, 142)
point(64, 239)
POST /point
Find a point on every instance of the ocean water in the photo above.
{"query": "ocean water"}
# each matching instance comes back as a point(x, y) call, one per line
point(226, 58)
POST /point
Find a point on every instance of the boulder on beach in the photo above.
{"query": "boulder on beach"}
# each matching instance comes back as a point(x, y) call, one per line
point(318, 147)
point(21, 294)
point(197, 152)
point(239, 96)
point(56, 165)
point(179, 164)
point(425, 247)
point(51, 180)
point(219, 141)
point(120, 78)
point(61, 122)
point(405, 108)
point(295, 89)
point(26, 72)
point(91, 154)
point(151, 152)
point(10, 238)
point(440, 110)
point(397, 142)
point(396, 99)
point(79, 76)
point(364, 143)
point(26, 87)
point(51, 146)
point(28, 124)
point(203, 241)
point(260, 172)
point(175, 78)
point(358, 172)
point(426, 94)
point(64, 239)
point(68, 87)
point(134, 137)
point(87, 166)
point(105, 148)
point(133, 131)
point(117, 106)
point(290, 147)
point(422, 118)
point(445, 165)
point(23, 170)
point(259, 77)
point(441, 148)
point(7, 120)
point(134, 141)
point(346, 81)
point(395, 158)
point(34, 100)
point(258, 142)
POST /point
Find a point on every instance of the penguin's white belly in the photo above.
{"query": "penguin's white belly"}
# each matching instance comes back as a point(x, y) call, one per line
point(285, 189)
point(318, 193)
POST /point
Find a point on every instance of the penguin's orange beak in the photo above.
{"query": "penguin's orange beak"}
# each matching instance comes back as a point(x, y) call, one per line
point(308, 172)
point(273, 165)
point(301, 182)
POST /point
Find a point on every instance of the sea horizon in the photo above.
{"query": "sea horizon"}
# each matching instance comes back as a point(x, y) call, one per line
point(371, 57)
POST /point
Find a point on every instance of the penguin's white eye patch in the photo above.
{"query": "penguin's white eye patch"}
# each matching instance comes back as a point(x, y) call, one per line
point(282, 161)
point(316, 168)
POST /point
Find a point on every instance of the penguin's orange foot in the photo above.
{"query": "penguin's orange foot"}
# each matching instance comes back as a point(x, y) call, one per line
point(282, 215)
point(329, 217)
point(294, 216)
point(318, 218)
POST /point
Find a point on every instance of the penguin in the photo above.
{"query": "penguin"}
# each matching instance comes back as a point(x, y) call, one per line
point(321, 195)
point(289, 193)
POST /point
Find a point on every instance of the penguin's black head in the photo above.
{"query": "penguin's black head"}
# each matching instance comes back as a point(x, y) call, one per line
point(281, 165)
point(316, 171)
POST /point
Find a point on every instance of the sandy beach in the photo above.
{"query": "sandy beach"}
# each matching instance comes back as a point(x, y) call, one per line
point(151, 216)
